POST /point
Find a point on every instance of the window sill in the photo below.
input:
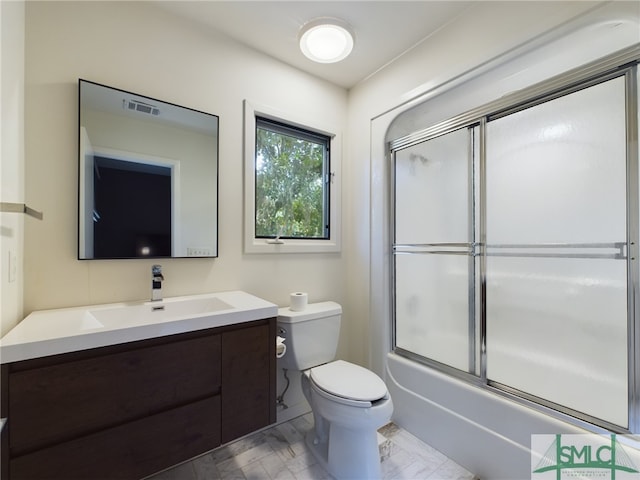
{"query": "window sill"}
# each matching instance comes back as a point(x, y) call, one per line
point(269, 245)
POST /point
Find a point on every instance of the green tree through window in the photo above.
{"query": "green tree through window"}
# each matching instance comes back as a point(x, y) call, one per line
point(292, 195)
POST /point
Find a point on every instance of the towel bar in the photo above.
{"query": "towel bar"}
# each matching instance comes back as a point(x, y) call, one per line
point(8, 207)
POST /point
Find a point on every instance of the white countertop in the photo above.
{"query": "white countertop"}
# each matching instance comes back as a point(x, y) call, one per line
point(51, 332)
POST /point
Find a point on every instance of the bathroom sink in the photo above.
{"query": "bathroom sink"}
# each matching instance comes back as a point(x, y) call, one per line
point(160, 311)
point(50, 332)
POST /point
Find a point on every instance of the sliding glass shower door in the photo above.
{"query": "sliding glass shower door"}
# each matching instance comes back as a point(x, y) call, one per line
point(433, 244)
point(515, 233)
point(556, 232)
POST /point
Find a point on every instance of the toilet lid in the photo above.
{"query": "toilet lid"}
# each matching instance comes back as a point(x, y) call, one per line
point(347, 380)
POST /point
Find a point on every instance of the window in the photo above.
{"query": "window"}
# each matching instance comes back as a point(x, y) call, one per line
point(292, 168)
point(291, 185)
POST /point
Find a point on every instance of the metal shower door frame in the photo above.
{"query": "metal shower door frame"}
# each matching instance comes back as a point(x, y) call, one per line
point(619, 64)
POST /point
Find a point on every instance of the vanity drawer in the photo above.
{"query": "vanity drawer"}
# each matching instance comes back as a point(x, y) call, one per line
point(129, 451)
point(62, 401)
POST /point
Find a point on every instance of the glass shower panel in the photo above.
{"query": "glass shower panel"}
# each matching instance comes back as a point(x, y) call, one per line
point(432, 190)
point(557, 171)
point(433, 261)
point(556, 278)
point(557, 329)
point(432, 309)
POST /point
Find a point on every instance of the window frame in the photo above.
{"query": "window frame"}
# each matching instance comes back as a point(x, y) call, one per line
point(253, 244)
point(321, 140)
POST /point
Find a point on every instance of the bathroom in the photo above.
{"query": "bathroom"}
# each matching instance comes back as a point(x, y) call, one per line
point(47, 46)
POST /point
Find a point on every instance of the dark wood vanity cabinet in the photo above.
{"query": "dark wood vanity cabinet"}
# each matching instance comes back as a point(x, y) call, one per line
point(127, 411)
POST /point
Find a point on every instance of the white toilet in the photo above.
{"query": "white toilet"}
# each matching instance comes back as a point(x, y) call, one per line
point(349, 402)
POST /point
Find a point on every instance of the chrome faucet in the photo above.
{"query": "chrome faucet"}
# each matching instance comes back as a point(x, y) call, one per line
point(156, 283)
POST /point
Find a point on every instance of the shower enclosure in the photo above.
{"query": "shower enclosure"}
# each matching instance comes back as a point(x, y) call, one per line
point(515, 259)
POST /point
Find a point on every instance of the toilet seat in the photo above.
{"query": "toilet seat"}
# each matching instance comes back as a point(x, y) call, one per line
point(350, 383)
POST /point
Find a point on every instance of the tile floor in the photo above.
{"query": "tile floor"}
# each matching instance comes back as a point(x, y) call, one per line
point(280, 453)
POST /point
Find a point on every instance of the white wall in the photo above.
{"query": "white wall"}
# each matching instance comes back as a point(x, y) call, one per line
point(12, 27)
point(137, 47)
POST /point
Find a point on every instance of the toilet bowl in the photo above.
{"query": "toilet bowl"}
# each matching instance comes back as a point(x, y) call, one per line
point(349, 403)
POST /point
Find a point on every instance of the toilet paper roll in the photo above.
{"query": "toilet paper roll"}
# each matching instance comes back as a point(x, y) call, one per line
point(298, 301)
point(281, 348)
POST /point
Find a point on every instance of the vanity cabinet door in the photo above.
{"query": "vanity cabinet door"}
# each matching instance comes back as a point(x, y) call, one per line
point(68, 399)
point(129, 451)
point(248, 379)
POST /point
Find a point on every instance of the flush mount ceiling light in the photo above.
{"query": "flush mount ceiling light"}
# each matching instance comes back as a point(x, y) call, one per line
point(326, 40)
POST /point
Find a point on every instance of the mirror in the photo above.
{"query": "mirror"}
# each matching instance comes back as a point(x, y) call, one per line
point(148, 177)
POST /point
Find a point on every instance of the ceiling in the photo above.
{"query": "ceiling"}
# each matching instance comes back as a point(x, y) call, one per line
point(384, 29)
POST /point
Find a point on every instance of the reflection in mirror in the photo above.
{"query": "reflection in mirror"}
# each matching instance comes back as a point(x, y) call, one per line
point(148, 177)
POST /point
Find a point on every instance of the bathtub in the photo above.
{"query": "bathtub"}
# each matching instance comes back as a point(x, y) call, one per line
point(487, 433)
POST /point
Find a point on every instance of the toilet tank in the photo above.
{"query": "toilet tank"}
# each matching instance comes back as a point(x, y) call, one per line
point(311, 336)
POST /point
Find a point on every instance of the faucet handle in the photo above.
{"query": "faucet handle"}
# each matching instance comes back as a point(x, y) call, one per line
point(156, 271)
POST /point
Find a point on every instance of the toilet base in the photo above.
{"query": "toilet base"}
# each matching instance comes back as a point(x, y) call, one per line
point(350, 455)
